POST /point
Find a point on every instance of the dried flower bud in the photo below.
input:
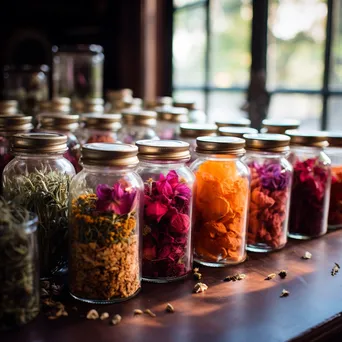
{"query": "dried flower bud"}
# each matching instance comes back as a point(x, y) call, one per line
point(92, 314)
point(104, 316)
point(307, 255)
point(138, 312)
point(284, 293)
point(200, 287)
point(282, 274)
point(197, 276)
point(169, 308)
point(270, 276)
point(150, 313)
point(116, 319)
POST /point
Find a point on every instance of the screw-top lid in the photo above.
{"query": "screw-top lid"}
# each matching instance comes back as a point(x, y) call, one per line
point(45, 105)
point(163, 150)
point(220, 145)
point(334, 139)
point(164, 101)
point(139, 117)
point(267, 142)
point(105, 154)
point(236, 131)
point(172, 114)
point(60, 104)
point(8, 107)
point(15, 123)
point(280, 126)
point(94, 105)
point(39, 143)
point(119, 94)
point(308, 138)
point(193, 130)
point(234, 122)
point(105, 122)
point(62, 122)
point(189, 105)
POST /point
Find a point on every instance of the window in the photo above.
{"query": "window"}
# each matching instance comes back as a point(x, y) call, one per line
point(212, 57)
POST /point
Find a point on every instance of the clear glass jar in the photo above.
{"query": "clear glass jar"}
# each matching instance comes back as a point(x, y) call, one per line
point(38, 179)
point(167, 236)
point(279, 126)
point(190, 131)
point(137, 125)
point(19, 271)
point(195, 115)
point(117, 100)
point(8, 107)
point(169, 118)
point(221, 201)
point(106, 204)
point(311, 185)
point(270, 192)
point(95, 105)
point(78, 71)
point(64, 124)
point(334, 152)
point(101, 128)
point(234, 122)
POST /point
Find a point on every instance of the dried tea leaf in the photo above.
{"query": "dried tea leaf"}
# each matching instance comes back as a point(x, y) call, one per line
point(284, 293)
point(197, 276)
point(93, 314)
point(138, 312)
point(307, 255)
point(282, 274)
point(200, 287)
point(270, 276)
point(235, 277)
point(170, 308)
point(104, 316)
point(116, 319)
point(150, 313)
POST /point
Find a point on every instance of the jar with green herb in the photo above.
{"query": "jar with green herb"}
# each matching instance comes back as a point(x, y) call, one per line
point(19, 273)
point(38, 179)
point(105, 221)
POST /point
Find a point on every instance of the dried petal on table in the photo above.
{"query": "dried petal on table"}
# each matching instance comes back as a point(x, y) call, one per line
point(93, 314)
point(170, 308)
point(104, 316)
point(196, 270)
point(284, 293)
point(335, 269)
point(282, 274)
point(200, 287)
point(307, 255)
point(197, 276)
point(150, 313)
point(235, 277)
point(116, 320)
point(270, 276)
point(137, 312)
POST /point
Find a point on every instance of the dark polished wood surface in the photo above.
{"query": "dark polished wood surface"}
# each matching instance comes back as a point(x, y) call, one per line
point(246, 310)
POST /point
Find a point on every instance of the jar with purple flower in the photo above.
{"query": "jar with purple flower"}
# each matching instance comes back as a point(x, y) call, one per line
point(311, 184)
point(271, 179)
point(168, 186)
point(105, 213)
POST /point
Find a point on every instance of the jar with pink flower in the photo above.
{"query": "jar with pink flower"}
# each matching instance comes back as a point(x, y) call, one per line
point(311, 184)
point(105, 220)
point(167, 233)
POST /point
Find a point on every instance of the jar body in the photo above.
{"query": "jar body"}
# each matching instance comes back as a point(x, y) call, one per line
point(129, 134)
point(40, 183)
point(220, 211)
point(99, 136)
point(167, 235)
point(310, 193)
point(105, 222)
point(19, 274)
point(192, 148)
point(167, 130)
point(335, 207)
point(271, 181)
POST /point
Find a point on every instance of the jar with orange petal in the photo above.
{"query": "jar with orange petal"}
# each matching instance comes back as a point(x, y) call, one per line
point(221, 201)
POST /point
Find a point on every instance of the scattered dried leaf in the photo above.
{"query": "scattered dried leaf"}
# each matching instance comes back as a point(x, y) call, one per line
point(150, 313)
point(282, 274)
point(307, 255)
point(92, 314)
point(104, 316)
point(170, 308)
point(197, 276)
point(200, 287)
point(284, 293)
point(116, 319)
point(138, 312)
point(235, 277)
point(270, 276)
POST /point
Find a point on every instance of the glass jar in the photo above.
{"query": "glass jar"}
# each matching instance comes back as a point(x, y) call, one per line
point(169, 118)
point(279, 126)
point(234, 122)
point(60, 105)
point(8, 107)
point(311, 185)
point(38, 179)
point(64, 124)
point(190, 131)
point(106, 203)
point(78, 71)
point(159, 102)
point(334, 152)
point(137, 125)
point(19, 272)
point(95, 105)
point(195, 115)
point(270, 192)
point(100, 128)
point(221, 201)
point(167, 235)
point(9, 125)
point(117, 100)
point(237, 132)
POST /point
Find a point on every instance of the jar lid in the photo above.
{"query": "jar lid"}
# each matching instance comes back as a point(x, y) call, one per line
point(236, 131)
point(164, 101)
point(139, 117)
point(234, 122)
point(334, 139)
point(77, 106)
point(45, 105)
point(63, 122)
point(163, 150)
point(60, 104)
point(36, 143)
point(267, 142)
point(15, 123)
point(189, 105)
point(136, 102)
point(280, 126)
point(172, 114)
point(102, 121)
point(308, 138)
point(193, 130)
point(220, 145)
point(9, 107)
point(119, 94)
point(95, 101)
point(105, 154)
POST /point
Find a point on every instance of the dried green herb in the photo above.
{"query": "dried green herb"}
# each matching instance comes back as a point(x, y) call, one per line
point(335, 269)
point(46, 193)
point(19, 290)
point(282, 274)
point(235, 277)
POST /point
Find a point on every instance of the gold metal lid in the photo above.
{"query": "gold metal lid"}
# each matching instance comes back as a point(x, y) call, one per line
point(45, 105)
point(9, 107)
point(267, 142)
point(15, 123)
point(236, 131)
point(60, 104)
point(105, 154)
point(163, 150)
point(102, 121)
point(334, 139)
point(62, 122)
point(188, 105)
point(234, 122)
point(193, 130)
point(164, 101)
point(39, 143)
point(308, 138)
point(220, 145)
point(139, 117)
point(119, 94)
point(172, 114)
point(280, 126)
point(94, 101)
point(77, 106)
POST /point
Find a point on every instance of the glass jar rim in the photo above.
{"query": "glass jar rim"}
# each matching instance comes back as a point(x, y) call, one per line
point(268, 142)
point(308, 138)
point(194, 130)
point(234, 122)
point(236, 131)
point(220, 145)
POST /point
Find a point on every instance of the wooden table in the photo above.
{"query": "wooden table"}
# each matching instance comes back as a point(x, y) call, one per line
point(246, 310)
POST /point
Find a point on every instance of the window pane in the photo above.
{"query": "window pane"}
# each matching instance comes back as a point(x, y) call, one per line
point(296, 36)
point(225, 105)
point(336, 55)
point(306, 108)
point(188, 96)
point(189, 41)
point(230, 57)
point(334, 113)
